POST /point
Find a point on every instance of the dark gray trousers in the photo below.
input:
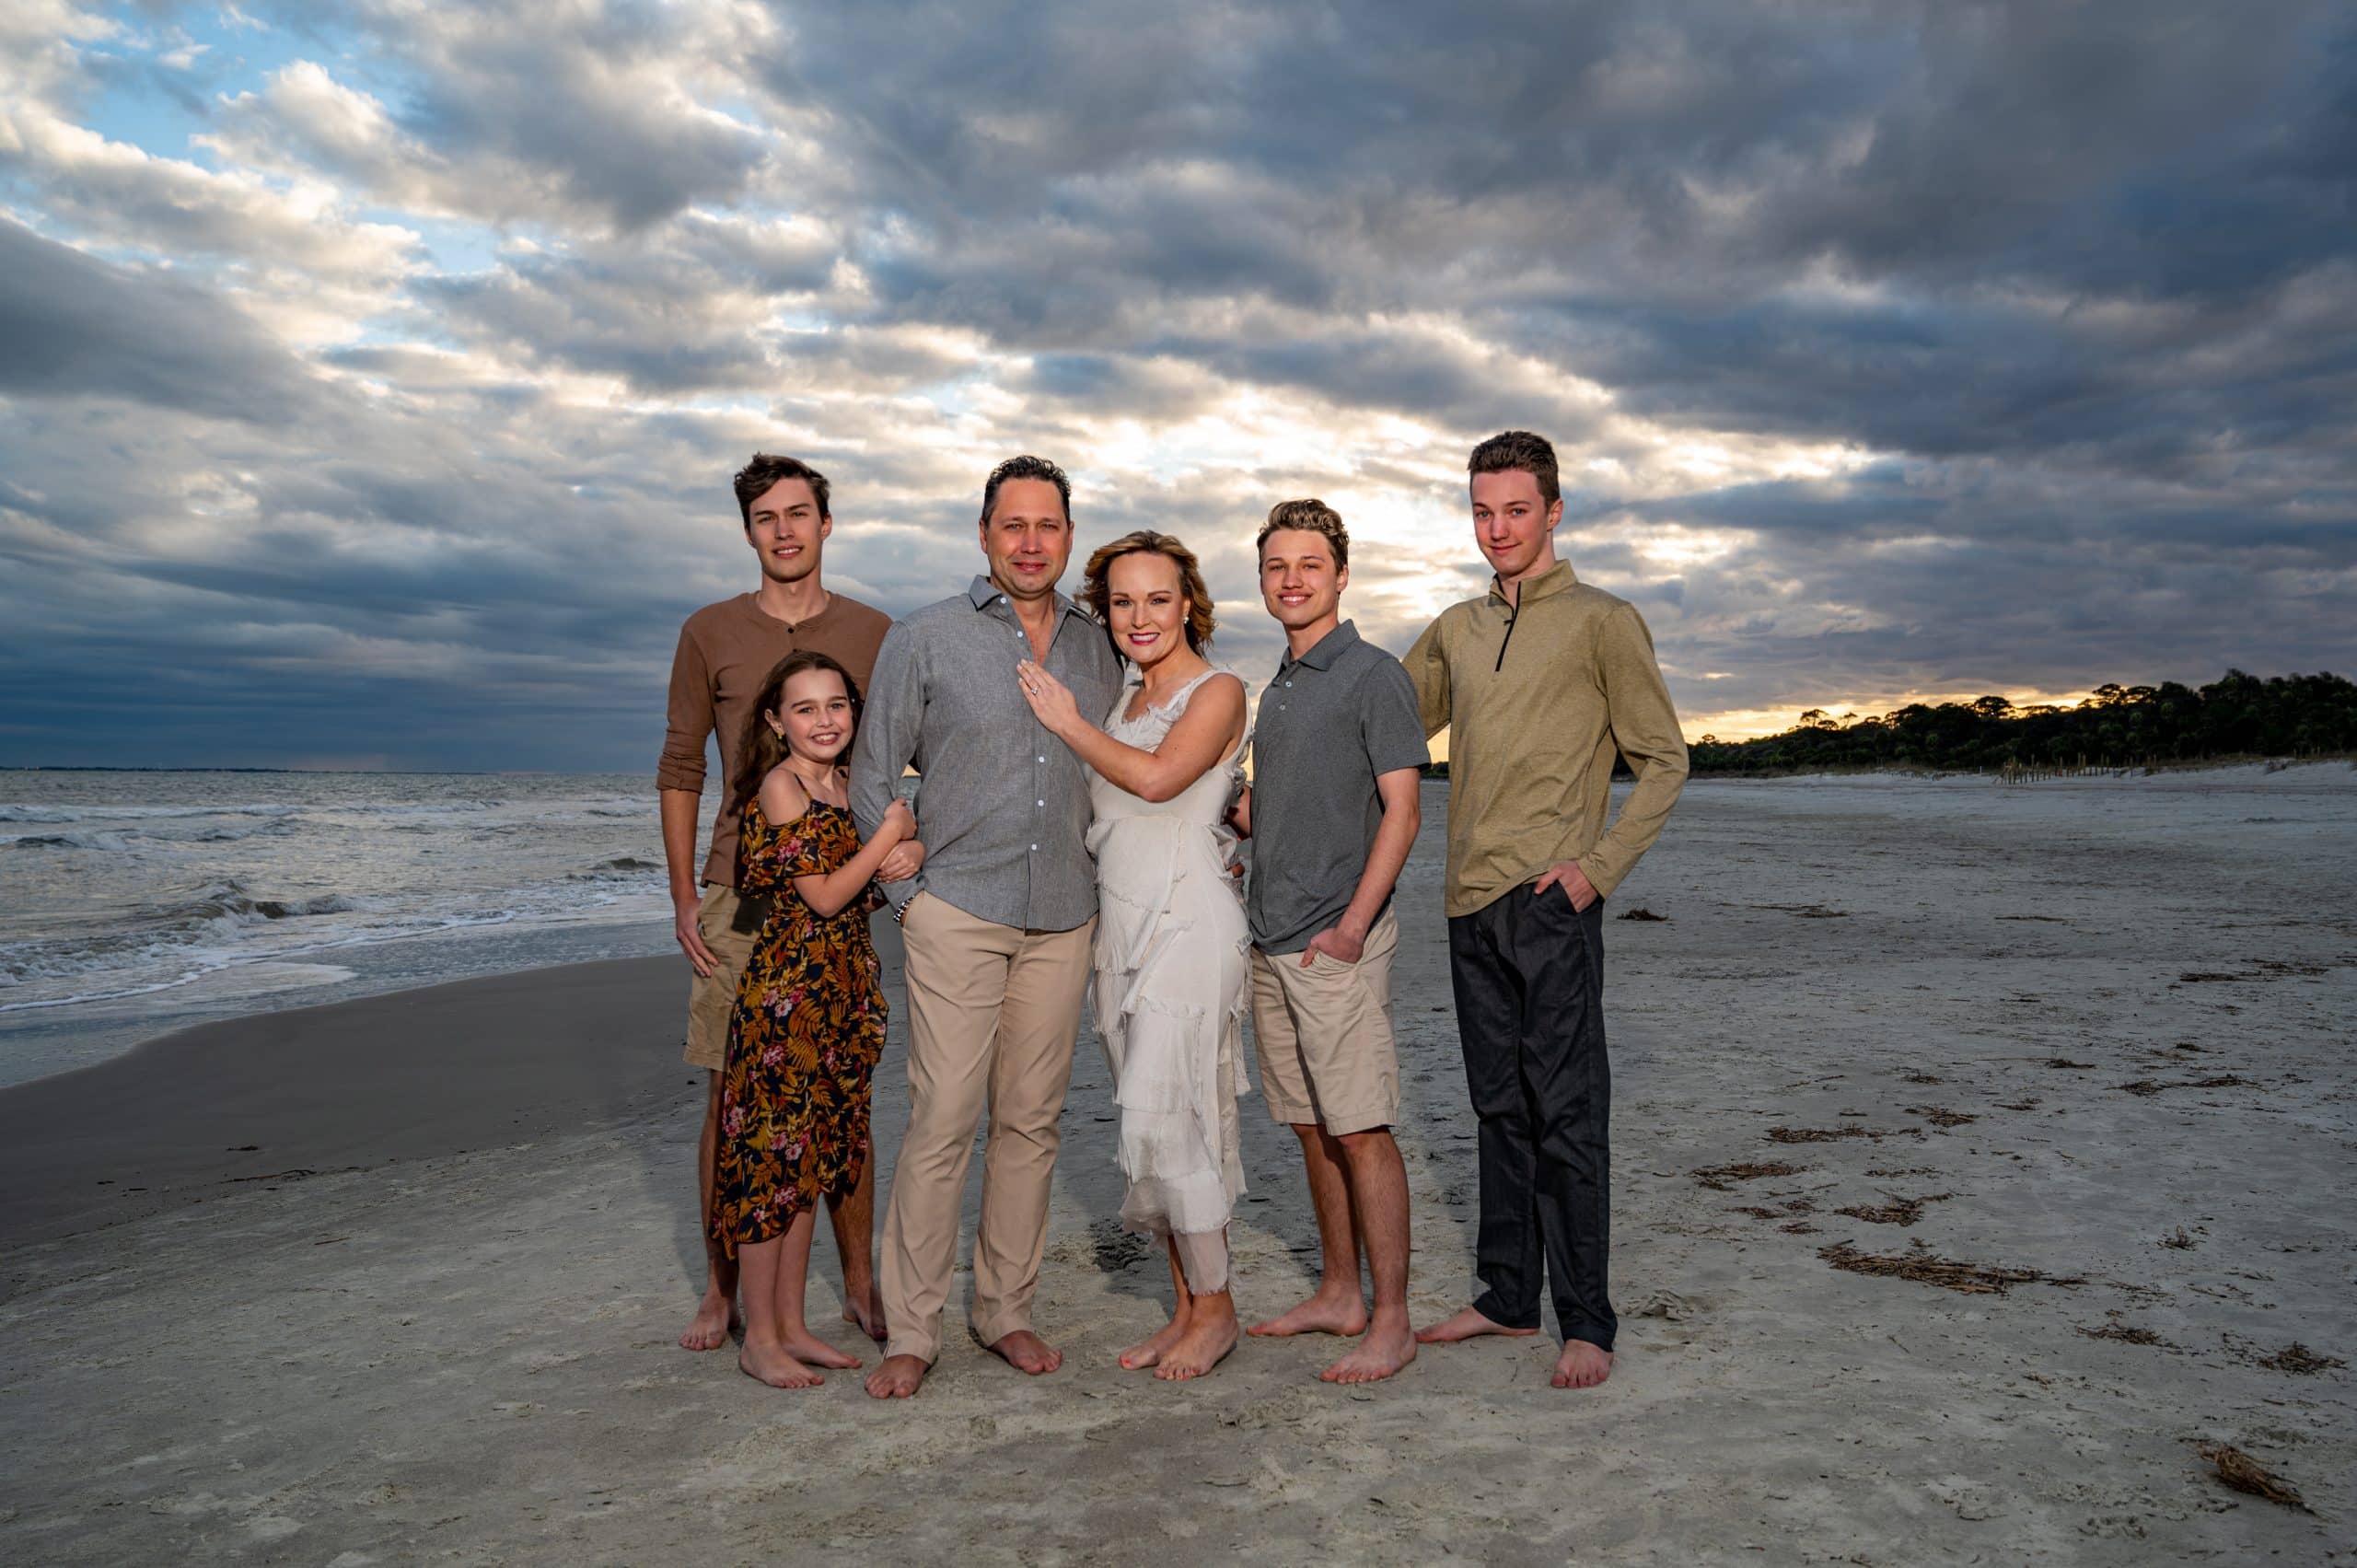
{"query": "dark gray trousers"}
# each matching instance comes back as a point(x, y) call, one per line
point(1528, 974)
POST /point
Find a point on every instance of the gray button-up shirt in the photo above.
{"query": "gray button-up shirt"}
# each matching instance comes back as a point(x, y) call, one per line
point(1330, 723)
point(1001, 805)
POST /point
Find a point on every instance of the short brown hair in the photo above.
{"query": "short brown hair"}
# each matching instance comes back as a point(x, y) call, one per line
point(1511, 451)
point(1310, 515)
point(1096, 589)
point(757, 478)
point(1027, 466)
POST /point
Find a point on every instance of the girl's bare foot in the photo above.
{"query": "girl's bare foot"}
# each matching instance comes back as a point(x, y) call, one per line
point(716, 1318)
point(1211, 1334)
point(1148, 1351)
point(812, 1351)
point(771, 1363)
point(1580, 1365)
point(1465, 1325)
point(1328, 1312)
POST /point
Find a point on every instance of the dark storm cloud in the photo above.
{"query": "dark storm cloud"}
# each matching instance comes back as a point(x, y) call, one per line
point(76, 326)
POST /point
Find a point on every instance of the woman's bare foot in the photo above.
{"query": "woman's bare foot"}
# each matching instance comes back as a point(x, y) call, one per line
point(1210, 1335)
point(1580, 1365)
point(1340, 1311)
point(1148, 1351)
point(1388, 1346)
point(810, 1350)
point(863, 1311)
point(1027, 1351)
point(1465, 1325)
point(773, 1364)
point(716, 1318)
point(898, 1378)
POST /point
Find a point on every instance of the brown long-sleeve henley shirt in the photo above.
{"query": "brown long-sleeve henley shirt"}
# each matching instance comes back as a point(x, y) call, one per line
point(1536, 699)
point(726, 651)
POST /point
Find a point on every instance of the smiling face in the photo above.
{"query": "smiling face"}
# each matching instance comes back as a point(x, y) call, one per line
point(1514, 525)
point(814, 715)
point(1299, 581)
point(1028, 539)
point(1146, 606)
point(784, 527)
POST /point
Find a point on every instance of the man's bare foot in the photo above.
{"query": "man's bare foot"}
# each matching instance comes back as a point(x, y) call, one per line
point(1148, 1351)
point(1580, 1365)
point(1328, 1312)
point(898, 1378)
point(1386, 1348)
point(1027, 1351)
point(1465, 1325)
point(1211, 1334)
point(716, 1318)
point(810, 1350)
point(774, 1365)
point(863, 1311)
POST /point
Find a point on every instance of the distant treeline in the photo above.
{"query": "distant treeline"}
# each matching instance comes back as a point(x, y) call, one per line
point(2236, 716)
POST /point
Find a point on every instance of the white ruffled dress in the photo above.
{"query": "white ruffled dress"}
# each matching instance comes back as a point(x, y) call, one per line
point(1171, 990)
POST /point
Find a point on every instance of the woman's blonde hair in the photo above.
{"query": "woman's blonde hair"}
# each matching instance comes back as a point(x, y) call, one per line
point(1096, 592)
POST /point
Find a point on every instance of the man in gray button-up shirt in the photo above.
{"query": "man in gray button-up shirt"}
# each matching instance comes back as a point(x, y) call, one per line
point(997, 921)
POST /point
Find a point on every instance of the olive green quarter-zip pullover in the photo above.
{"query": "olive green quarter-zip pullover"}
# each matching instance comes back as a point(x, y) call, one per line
point(1536, 699)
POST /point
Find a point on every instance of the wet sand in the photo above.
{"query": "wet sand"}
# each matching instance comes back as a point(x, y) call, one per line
point(2078, 1056)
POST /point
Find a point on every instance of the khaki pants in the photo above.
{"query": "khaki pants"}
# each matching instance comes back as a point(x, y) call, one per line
point(730, 923)
point(993, 1015)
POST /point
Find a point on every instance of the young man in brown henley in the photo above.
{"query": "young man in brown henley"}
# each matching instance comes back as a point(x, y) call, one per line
point(726, 651)
point(1539, 682)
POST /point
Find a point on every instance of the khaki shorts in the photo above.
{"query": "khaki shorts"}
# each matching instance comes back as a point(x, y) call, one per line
point(730, 924)
point(1324, 1029)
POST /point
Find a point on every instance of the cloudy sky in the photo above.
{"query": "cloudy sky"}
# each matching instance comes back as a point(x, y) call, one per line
point(371, 373)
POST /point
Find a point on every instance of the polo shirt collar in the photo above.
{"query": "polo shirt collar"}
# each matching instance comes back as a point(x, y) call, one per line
point(1330, 647)
point(984, 593)
point(1556, 579)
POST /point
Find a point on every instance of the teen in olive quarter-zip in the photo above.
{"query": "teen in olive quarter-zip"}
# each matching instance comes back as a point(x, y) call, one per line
point(1537, 697)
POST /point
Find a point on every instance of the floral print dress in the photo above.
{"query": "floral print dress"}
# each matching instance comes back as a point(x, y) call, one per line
point(803, 1044)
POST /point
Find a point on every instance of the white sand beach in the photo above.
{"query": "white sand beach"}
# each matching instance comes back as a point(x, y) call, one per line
point(2067, 1071)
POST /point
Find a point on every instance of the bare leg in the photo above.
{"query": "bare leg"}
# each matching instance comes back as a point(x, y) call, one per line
point(853, 1217)
point(1210, 1332)
point(1336, 1306)
point(1379, 1199)
point(793, 1279)
point(764, 1355)
point(1148, 1351)
point(715, 1314)
point(1580, 1365)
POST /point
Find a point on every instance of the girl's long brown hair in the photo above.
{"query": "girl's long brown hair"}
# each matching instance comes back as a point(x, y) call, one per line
point(761, 748)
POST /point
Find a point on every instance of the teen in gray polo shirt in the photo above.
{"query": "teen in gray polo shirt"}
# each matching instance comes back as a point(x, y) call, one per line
point(1333, 812)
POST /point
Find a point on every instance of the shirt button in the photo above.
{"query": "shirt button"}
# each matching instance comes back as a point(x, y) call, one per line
point(1288, 685)
point(1035, 849)
point(1038, 759)
point(1039, 803)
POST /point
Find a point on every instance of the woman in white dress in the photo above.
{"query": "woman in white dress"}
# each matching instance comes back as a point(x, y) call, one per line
point(1171, 940)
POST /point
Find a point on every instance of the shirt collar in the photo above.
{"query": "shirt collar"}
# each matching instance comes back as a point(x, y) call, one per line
point(1547, 584)
point(984, 593)
point(1329, 648)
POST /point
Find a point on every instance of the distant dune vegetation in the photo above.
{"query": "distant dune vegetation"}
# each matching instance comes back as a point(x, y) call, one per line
point(2236, 716)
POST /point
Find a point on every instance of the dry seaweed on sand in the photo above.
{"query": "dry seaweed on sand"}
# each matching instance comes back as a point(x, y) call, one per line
point(1899, 1210)
point(1834, 1135)
point(2180, 1239)
point(1644, 914)
point(2298, 1358)
point(1806, 912)
point(1929, 1267)
point(2147, 1087)
point(2074, 1066)
point(2246, 1475)
point(1941, 1117)
point(1923, 1077)
point(1718, 1178)
point(2116, 1329)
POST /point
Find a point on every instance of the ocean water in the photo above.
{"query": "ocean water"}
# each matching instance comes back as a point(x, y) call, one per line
point(134, 903)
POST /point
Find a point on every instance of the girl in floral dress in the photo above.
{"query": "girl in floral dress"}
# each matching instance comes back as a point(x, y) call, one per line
point(809, 1019)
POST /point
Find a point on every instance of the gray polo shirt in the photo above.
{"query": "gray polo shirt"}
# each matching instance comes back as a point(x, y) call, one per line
point(1328, 724)
point(1001, 805)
